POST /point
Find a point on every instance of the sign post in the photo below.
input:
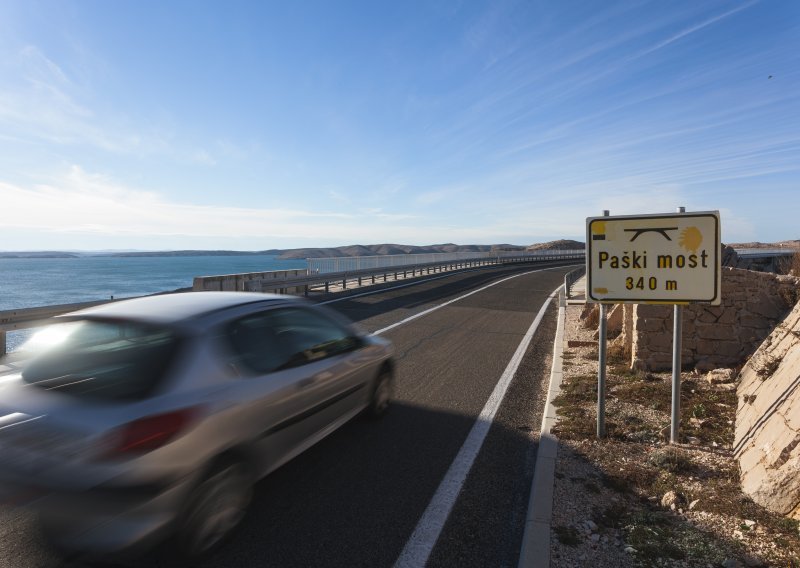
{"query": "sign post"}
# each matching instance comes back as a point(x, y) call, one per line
point(653, 259)
point(677, 342)
point(601, 366)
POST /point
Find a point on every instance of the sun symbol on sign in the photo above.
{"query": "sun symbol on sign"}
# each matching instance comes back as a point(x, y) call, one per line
point(691, 238)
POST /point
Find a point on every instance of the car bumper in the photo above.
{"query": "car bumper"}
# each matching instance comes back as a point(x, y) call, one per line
point(103, 520)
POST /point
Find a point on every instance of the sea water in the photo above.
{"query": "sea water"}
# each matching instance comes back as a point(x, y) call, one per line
point(30, 282)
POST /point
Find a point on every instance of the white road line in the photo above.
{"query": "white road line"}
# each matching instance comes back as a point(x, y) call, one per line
point(434, 308)
point(419, 547)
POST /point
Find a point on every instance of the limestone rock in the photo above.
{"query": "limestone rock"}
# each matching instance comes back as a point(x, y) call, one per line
point(718, 376)
point(672, 499)
point(767, 435)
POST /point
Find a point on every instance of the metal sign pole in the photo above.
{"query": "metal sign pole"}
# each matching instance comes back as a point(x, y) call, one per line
point(677, 336)
point(601, 367)
point(601, 376)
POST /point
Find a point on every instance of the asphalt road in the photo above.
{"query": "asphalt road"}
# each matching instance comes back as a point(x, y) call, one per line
point(356, 498)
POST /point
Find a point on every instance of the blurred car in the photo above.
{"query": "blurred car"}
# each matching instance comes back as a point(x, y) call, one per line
point(153, 417)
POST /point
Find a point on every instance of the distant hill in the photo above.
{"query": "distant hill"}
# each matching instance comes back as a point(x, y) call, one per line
point(757, 245)
point(192, 253)
point(563, 244)
point(387, 249)
point(38, 254)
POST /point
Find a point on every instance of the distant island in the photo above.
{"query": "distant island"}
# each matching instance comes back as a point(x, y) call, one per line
point(303, 253)
point(39, 254)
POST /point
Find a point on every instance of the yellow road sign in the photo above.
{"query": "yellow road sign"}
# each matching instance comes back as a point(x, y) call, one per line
point(669, 258)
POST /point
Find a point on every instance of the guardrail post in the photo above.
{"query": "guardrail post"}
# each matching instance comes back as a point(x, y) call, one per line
point(3, 346)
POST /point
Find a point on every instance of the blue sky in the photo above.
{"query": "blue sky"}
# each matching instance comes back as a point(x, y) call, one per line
point(256, 125)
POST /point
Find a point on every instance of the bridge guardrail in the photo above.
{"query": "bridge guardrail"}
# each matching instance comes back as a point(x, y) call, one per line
point(570, 278)
point(320, 274)
point(356, 263)
point(765, 252)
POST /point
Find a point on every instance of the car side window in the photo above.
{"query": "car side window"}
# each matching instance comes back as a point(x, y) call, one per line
point(286, 337)
point(311, 335)
point(256, 344)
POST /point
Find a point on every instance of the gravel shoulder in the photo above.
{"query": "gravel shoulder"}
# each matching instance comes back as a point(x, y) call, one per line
point(632, 499)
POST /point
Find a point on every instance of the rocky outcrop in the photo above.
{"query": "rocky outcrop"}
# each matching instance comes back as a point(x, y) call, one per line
point(767, 439)
point(713, 336)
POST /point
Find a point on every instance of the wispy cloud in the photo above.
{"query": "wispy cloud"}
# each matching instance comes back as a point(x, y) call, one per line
point(80, 202)
point(338, 196)
point(695, 28)
point(41, 102)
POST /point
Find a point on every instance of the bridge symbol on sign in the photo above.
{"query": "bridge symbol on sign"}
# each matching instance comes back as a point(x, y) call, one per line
point(661, 231)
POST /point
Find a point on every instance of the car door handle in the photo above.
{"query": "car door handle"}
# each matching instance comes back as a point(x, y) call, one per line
point(319, 377)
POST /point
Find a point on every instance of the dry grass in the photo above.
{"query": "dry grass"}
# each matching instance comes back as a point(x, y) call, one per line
point(790, 265)
point(635, 460)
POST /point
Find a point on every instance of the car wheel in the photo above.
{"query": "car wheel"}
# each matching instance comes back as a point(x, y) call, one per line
point(381, 395)
point(217, 506)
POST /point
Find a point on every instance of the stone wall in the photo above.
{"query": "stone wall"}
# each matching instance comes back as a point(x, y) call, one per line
point(767, 439)
point(713, 336)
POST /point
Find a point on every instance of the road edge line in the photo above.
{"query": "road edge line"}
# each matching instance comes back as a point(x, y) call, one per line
point(422, 541)
point(535, 552)
point(467, 295)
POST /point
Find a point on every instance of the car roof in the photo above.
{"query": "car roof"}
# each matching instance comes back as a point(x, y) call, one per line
point(176, 308)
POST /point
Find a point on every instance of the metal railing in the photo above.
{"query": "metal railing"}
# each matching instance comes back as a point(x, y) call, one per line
point(348, 272)
point(570, 278)
point(356, 263)
point(765, 252)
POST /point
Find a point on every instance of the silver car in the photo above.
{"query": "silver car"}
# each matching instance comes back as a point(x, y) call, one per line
point(153, 417)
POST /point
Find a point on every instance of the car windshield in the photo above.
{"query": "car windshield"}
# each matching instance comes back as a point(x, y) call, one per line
point(99, 359)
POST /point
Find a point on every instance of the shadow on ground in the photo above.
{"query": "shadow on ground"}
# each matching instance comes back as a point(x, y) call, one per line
point(351, 500)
